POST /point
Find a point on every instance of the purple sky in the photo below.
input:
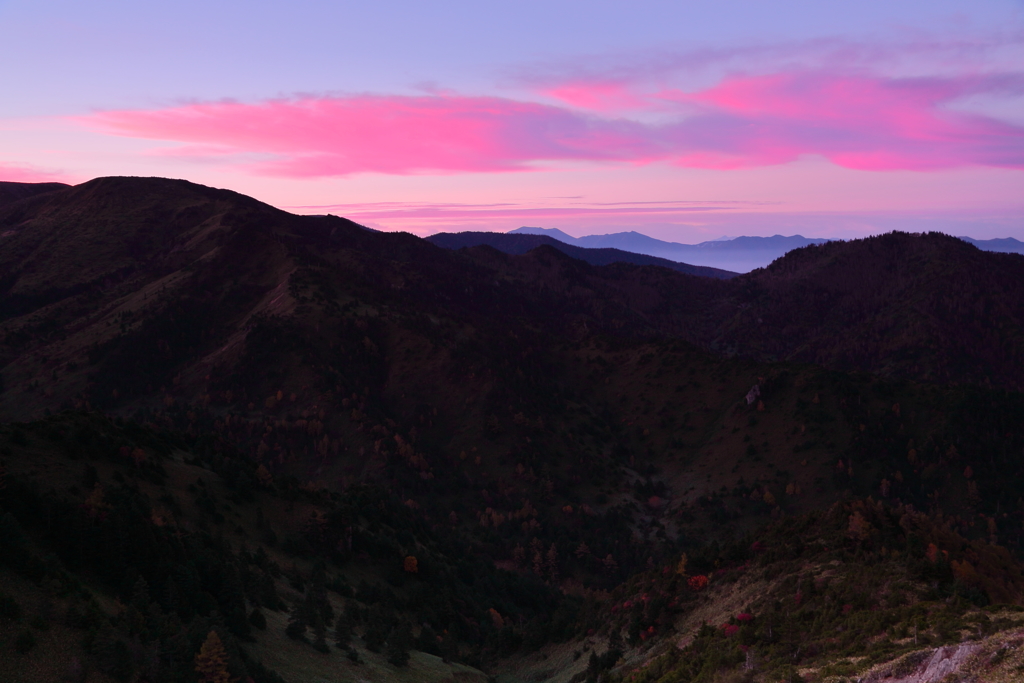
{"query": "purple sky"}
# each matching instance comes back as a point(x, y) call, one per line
point(683, 120)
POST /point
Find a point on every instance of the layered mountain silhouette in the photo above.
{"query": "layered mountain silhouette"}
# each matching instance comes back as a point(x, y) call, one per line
point(498, 451)
point(737, 253)
point(741, 254)
point(1006, 245)
point(521, 243)
point(92, 266)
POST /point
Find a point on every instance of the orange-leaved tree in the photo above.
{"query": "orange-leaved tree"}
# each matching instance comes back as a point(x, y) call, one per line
point(212, 661)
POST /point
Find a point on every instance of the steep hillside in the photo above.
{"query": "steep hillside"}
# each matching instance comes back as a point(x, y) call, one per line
point(124, 545)
point(122, 548)
point(860, 592)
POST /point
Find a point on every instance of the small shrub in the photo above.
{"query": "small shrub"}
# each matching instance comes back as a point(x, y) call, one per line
point(257, 619)
point(24, 642)
point(9, 607)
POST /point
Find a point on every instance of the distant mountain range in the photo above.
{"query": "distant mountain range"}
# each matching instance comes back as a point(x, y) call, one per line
point(520, 243)
point(737, 254)
point(740, 254)
point(1006, 245)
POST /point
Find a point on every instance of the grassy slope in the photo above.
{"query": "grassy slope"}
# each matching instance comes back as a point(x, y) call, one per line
point(819, 596)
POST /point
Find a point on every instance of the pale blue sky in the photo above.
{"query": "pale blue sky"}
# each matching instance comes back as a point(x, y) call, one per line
point(68, 56)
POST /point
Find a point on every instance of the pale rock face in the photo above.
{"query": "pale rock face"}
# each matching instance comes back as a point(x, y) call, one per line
point(943, 662)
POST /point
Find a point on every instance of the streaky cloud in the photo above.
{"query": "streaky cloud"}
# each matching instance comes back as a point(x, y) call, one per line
point(855, 121)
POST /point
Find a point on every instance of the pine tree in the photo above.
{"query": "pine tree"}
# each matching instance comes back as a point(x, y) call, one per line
point(318, 593)
point(398, 645)
point(268, 592)
point(258, 619)
point(551, 563)
point(343, 633)
point(232, 601)
point(376, 629)
point(428, 641)
point(212, 661)
point(317, 624)
point(615, 639)
point(352, 613)
point(298, 620)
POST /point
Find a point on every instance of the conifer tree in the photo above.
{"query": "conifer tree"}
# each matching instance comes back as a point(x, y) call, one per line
point(298, 620)
point(232, 601)
point(258, 619)
point(212, 661)
point(376, 629)
point(428, 641)
point(399, 643)
point(268, 592)
point(318, 593)
point(343, 633)
point(317, 624)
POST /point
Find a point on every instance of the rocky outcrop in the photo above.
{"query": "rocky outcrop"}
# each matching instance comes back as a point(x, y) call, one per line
point(926, 666)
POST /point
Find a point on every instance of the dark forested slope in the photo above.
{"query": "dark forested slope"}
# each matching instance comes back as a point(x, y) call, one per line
point(573, 426)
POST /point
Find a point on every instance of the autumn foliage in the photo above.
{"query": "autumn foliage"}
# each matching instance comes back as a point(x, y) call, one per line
point(697, 583)
point(212, 661)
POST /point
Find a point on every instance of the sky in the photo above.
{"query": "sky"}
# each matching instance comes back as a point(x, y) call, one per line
point(683, 120)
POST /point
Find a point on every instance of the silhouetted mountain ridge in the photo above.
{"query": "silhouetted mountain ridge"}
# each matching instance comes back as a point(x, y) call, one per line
point(11, 192)
point(518, 244)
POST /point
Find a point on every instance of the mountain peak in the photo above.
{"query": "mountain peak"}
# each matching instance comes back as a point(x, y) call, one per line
point(550, 232)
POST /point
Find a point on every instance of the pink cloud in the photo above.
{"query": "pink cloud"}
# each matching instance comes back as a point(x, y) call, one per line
point(328, 136)
point(608, 96)
point(856, 121)
point(859, 122)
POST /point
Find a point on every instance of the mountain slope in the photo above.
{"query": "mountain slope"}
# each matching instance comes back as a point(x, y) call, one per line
point(930, 307)
point(541, 429)
point(12, 192)
point(518, 244)
point(88, 269)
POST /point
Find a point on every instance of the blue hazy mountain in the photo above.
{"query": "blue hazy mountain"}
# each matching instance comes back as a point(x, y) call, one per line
point(1005, 245)
point(737, 254)
point(740, 254)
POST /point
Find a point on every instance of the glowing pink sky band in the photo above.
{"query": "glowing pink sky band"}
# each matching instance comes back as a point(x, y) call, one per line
point(857, 122)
